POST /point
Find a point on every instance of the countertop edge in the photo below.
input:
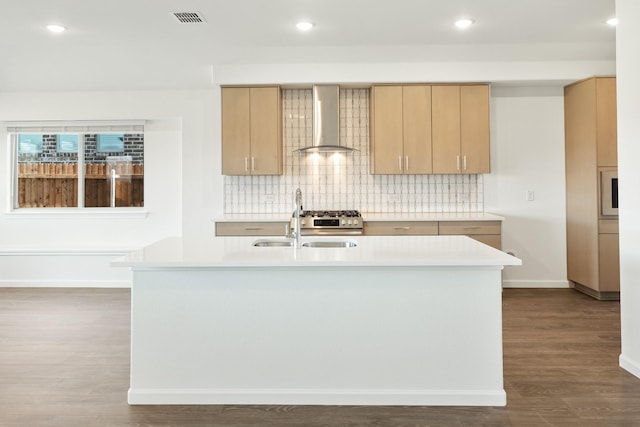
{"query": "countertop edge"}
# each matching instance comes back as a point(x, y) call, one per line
point(367, 216)
point(369, 252)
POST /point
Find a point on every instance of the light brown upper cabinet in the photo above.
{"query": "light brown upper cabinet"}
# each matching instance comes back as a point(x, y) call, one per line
point(251, 131)
point(460, 122)
point(401, 129)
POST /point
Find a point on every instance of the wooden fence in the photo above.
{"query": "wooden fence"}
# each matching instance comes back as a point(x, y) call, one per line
point(56, 185)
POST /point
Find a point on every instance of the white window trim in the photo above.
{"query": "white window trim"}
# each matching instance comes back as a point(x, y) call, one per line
point(75, 213)
point(80, 127)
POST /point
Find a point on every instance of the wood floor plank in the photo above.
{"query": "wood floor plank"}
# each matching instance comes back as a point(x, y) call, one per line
point(64, 361)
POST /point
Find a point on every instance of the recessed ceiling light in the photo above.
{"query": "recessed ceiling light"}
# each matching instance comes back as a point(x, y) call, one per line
point(304, 26)
point(612, 21)
point(463, 23)
point(54, 28)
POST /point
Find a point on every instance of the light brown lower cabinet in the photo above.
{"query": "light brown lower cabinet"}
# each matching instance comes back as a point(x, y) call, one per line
point(401, 228)
point(493, 240)
point(609, 263)
point(487, 232)
point(251, 228)
point(595, 268)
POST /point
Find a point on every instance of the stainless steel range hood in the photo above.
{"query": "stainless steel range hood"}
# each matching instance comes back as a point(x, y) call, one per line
point(326, 121)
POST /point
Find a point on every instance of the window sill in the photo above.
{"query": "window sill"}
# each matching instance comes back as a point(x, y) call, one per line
point(76, 213)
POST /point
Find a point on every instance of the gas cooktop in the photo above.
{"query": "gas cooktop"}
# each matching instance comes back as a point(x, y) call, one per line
point(332, 214)
point(334, 222)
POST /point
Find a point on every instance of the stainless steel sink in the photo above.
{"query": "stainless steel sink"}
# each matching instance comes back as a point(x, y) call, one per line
point(273, 243)
point(330, 244)
point(267, 243)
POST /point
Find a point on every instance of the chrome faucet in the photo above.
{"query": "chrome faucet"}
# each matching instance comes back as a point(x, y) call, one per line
point(295, 233)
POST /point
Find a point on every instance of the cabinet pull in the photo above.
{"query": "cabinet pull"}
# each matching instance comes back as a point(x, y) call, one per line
point(400, 163)
point(253, 164)
point(402, 228)
point(246, 164)
point(253, 228)
point(465, 162)
point(471, 228)
point(458, 162)
point(406, 163)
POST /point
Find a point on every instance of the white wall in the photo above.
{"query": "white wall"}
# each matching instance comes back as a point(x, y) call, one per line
point(367, 72)
point(628, 70)
point(173, 189)
point(527, 153)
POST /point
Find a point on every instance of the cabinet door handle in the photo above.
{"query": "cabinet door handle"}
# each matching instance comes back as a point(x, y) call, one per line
point(246, 164)
point(253, 228)
point(406, 163)
point(400, 163)
point(465, 162)
point(458, 162)
point(253, 164)
point(402, 228)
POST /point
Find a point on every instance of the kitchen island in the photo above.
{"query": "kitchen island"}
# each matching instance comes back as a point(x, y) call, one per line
point(411, 320)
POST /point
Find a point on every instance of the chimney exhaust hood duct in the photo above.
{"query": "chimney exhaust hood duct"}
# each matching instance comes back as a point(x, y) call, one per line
point(326, 121)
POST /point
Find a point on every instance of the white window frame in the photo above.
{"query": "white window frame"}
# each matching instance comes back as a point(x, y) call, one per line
point(75, 127)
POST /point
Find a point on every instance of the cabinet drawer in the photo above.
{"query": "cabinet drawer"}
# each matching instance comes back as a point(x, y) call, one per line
point(469, 227)
point(252, 228)
point(401, 228)
point(608, 226)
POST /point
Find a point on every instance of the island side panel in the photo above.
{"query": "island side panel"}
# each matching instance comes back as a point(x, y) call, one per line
point(388, 336)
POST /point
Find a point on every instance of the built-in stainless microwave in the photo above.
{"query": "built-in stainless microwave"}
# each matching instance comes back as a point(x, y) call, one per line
point(609, 193)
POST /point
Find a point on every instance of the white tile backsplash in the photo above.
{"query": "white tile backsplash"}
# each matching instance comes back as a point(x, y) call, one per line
point(343, 181)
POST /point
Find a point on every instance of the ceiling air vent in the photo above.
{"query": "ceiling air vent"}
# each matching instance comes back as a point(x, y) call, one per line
point(189, 17)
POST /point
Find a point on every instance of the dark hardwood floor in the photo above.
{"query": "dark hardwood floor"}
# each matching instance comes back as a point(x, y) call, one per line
point(64, 361)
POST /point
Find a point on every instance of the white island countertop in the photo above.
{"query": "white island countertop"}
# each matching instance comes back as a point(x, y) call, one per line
point(373, 251)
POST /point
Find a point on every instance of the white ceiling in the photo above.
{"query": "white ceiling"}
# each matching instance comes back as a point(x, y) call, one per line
point(138, 44)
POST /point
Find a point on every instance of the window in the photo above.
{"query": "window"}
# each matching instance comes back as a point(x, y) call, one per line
point(110, 143)
point(97, 166)
point(67, 143)
point(29, 144)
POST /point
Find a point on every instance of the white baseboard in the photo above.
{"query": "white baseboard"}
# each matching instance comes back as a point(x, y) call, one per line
point(629, 365)
point(65, 284)
point(317, 397)
point(530, 284)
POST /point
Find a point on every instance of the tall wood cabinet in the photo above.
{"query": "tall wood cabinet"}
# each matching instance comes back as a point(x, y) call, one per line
point(460, 121)
point(251, 131)
point(401, 129)
point(591, 148)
